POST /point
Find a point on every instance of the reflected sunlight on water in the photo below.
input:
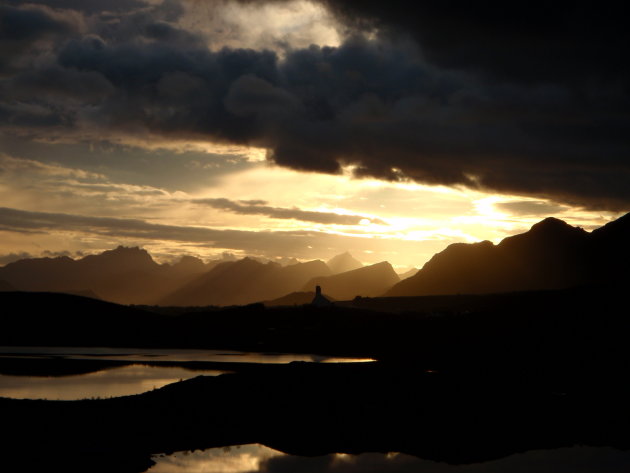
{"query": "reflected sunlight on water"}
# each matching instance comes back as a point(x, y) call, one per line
point(236, 459)
point(258, 458)
point(120, 381)
point(127, 380)
point(182, 355)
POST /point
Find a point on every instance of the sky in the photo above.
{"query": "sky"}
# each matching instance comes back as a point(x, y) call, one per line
point(303, 129)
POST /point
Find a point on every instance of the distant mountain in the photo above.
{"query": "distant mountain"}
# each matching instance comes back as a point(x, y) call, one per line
point(343, 262)
point(225, 284)
point(123, 275)
point(291, 278)
point(131, 276)
point(41, 274)
point(190, 265)
point(551, 255)
point(244, 282)
point(367, 281)
point(286, 261)
point(408, 274)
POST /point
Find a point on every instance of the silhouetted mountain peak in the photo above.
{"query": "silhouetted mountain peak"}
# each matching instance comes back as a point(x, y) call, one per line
point(616, 229)
point(123, 253)
point(550, 234)
point(383, 265)
point(554, 225)
point(248, 259)
point(287, 261)
point(247, 264)
point(459, 253)
point(343, 262)
point(551, 255)
point(189, 263)
point(32, 262)
point(315, 264)
point(226, 256)
point(117, 261)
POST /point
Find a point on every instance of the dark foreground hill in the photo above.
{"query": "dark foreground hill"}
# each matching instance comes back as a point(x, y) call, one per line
point(306, 409)
point(574, 327)
point(294, 299)
point(511, 373)
point(5, 286)
point(551, 255)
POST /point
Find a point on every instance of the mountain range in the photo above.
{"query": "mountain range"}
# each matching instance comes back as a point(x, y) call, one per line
point(367, 281)
point(123, 275)
point(551, 255)
point(244, 282)
point(131, 276)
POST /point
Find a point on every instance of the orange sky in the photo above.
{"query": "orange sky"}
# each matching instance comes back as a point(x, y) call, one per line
point(96, 183)
point(402, 222)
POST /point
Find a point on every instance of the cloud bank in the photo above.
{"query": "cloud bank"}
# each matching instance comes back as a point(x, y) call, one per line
point(530, 99)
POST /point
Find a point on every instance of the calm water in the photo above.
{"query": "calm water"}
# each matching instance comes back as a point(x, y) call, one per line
point(138, 378)
point(257, 458)
point(152, 354)
point(112, 382)
point(125, 380)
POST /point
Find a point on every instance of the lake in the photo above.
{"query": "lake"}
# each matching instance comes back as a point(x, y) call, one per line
point(258, 458)
point(116, 372)
point(113, 372)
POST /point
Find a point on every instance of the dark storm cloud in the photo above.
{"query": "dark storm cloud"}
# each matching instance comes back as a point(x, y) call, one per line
point(88, 6)
point(524, 99)
point(30, 23)
point(259, 207)
point(56, 83)
point(24, 28)
point(523, 41)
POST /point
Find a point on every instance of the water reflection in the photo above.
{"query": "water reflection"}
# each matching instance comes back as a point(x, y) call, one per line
point(107, 381)
point(260, 459)
point(181, 355)
point(237, 459)
point(120, 381)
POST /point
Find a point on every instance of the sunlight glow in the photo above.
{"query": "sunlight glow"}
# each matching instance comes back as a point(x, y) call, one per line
point(400, 221)
point(237, 459)
point(274, 26)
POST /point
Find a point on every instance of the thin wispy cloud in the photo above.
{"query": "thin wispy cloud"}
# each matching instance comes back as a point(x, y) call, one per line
point(259, 207)
point(299, 243)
